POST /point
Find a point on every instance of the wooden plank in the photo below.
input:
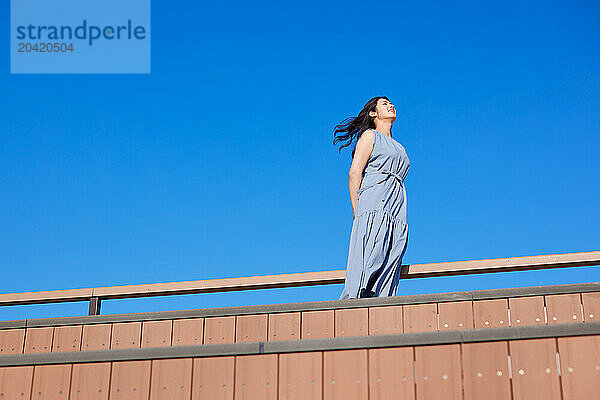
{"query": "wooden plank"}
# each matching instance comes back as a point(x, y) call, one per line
point(126, 335)
point(171, 379)
point(580, 367)
point(490, 313)
point(526, 311)
point(223, 285)
point(12, 341)
point(385, 320)
point(256, 377)
point(317, 324)
point(564, 308)
point(345, 375)
point(438, 372)
point(485, 371)
point(157, 333)
point(351, 322)
point(51, 382)
point(188, 332)
point(534, 370)
point(504, 264)
point(391, 373)
point(591, 306)
point(96, 337)
point(420, 318)
point(15, 382)
point(130, 380)
point(90, 381)
point(38, 340)
point(213, 378)
point(284, 326)
point(455, 315)
point(46, 296)
point(67, 338)
point(251, 328)
point(219, 330)
point(300, 376)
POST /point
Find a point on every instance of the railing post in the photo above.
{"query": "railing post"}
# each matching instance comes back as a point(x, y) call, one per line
point(94, 306)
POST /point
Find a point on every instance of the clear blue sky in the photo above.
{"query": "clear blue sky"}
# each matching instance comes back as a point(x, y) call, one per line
point(220, 163)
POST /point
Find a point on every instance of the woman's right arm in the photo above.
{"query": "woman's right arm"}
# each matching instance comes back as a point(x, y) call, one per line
point(363, 150)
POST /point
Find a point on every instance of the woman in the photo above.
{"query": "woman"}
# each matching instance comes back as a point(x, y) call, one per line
point(378, 197)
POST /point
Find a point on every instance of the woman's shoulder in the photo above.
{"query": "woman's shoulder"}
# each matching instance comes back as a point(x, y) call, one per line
point(366, 141)
point(367, 138)
point(368, 133)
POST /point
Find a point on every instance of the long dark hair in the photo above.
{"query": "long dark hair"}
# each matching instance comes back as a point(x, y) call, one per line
point(353, 127)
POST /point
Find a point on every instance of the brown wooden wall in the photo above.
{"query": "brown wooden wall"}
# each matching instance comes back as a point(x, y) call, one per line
point(519, 311)
point(565, 368)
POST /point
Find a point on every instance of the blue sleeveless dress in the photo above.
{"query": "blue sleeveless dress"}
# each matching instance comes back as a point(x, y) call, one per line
point(379, 231)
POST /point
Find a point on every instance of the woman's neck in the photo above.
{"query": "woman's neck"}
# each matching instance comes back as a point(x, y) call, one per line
point(385, 128)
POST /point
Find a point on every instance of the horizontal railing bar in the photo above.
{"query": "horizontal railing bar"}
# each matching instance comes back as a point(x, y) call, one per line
point(49, 296)
point(298, 279)
point(304, 345)
point(505, 264)
point(175, 288)
point(222, 285)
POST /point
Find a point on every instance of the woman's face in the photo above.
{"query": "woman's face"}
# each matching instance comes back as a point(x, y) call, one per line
point(385, 110)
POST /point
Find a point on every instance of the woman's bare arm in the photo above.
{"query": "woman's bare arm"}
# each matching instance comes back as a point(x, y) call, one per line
point(364, 147)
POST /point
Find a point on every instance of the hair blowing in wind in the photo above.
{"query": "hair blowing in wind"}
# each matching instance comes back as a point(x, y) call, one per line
point(353, 127)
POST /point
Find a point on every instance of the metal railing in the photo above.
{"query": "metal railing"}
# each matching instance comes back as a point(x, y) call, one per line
point(96, 295)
